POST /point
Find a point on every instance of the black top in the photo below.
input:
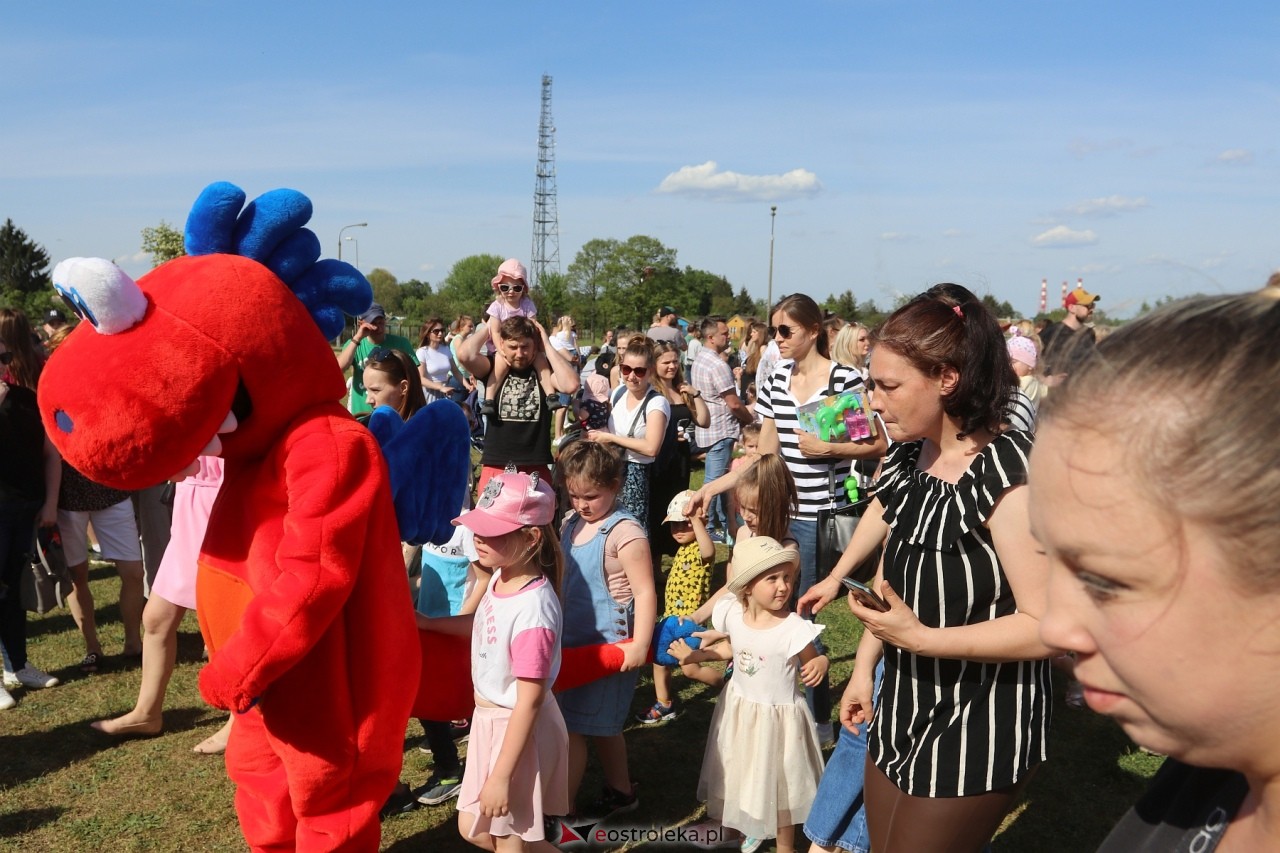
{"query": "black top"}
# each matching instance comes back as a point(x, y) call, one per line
point(21, 448)
point(1185, 809)
point(521, 433)
point(986, 723)
point(1065, 348)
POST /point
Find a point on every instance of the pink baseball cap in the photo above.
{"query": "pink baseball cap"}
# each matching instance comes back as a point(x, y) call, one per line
point(510, 501)
point(512, 270)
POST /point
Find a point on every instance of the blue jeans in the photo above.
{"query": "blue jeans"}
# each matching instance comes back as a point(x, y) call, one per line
point(806, 536)
point(838, 817)
point(719, 456)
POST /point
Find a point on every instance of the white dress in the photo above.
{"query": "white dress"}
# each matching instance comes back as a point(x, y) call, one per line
point(762, 763)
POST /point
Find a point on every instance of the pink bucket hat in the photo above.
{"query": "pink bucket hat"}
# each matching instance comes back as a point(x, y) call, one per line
point(510, 501)
point(1022, 349)
point(511, 270)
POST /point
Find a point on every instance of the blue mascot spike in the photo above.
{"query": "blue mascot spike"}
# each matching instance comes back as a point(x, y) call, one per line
point(270, 230)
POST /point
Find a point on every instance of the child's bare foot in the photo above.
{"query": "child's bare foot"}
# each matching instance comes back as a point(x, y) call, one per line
point(216, 743)
point(129, 725)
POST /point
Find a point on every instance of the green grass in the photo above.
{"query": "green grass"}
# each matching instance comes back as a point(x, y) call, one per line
point(62, 788)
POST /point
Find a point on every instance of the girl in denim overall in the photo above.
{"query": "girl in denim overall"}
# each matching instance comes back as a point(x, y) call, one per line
point(608, 596)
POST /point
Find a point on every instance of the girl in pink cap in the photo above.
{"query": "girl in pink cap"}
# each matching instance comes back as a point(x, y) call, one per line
point(511, 290)
point(517, 766)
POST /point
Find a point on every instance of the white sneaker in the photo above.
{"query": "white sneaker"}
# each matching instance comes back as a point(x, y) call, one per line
point(31, 677)
point(6, 701)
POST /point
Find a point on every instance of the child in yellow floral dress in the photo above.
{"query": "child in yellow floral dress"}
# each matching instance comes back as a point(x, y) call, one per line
point(688, 585)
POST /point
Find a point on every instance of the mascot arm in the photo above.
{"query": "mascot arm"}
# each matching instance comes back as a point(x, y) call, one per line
point(333, 483)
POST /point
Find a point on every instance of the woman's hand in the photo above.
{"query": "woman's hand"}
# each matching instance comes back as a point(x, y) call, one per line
point(898, 625)
point(812, 673)
point(819, 596)
point(855, 704)
point(812, 447)
point(697, 504)
point(495, 796)
point(601, 436)
point(634, 656)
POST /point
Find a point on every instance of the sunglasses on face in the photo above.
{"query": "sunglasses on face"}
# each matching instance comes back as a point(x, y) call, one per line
point(511, 288)
point(6, 357)
point(627, 370)
point(784, 331)
point(435, 331)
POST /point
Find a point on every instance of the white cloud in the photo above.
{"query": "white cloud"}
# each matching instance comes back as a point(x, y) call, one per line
point(1236, 157)
point(896, 237)
point(706, 181)
point(1062, 237)
point(1108, 205)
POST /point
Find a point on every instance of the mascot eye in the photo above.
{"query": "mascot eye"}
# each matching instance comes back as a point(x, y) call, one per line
point(75, 302)
point(100, 292)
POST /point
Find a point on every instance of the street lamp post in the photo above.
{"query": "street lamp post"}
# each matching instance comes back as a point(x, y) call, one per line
point(773, 217)
point(357, 242)
point(344, 228)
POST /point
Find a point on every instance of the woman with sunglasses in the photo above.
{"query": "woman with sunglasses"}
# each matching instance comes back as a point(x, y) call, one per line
point(435, 363)
point(637, 424)
point(511, 287)
point(804, 374)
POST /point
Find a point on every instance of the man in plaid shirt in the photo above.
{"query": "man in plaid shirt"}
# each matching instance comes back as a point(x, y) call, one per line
point(712, 376)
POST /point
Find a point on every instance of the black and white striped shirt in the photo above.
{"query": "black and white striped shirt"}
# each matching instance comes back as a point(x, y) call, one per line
point(947, 728)
point(813, 477)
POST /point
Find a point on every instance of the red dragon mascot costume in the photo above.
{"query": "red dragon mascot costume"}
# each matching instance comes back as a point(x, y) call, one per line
point(303, 600)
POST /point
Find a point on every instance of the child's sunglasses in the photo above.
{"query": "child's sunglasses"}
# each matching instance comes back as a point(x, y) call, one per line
point(511, 288)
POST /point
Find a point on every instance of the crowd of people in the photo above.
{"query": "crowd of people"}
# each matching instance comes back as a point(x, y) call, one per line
point(1029, 497)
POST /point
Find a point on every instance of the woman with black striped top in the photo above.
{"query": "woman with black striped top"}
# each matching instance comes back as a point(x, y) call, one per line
point(962, 717)
point(804, 374)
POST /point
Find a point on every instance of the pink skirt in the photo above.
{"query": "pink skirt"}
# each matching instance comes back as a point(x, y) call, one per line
point(540, 783)
point(192, 502)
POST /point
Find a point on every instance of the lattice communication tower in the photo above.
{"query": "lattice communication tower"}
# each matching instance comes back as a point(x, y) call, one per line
point(545, 256)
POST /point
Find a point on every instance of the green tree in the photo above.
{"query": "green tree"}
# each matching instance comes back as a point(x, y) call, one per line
point(24, 272)
point(701, 287)
point(745, 305)
point(386, 290)
point(417, 302)
point(844, 305)
point(163, 243)
point(586, 278)
point(1001, 309)
point(467, 289)
point(640, 269)
point(552, 298)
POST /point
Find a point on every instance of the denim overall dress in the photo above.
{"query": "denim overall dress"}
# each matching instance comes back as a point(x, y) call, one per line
point(591, 616)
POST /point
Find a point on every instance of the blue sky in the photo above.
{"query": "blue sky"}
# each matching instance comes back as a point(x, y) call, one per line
point(904, 143)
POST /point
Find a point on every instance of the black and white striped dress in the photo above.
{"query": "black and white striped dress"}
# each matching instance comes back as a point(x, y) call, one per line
point(812, 476)
point(947, 728)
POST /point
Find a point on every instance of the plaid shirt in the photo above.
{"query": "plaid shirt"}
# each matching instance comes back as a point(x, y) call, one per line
point(714, 379)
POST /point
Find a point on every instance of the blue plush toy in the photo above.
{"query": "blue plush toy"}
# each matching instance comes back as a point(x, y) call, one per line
point(669, 630)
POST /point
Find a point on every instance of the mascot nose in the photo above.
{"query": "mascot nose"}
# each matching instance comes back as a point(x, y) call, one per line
point(63, 420)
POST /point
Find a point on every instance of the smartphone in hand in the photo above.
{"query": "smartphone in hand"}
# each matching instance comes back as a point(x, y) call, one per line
point(865, 595)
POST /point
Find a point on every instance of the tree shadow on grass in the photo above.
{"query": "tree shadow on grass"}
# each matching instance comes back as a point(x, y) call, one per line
point(30, 755)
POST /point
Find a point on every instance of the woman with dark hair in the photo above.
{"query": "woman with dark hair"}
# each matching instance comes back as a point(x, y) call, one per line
point(687, 409)
point(25, 359)
point(30, 472)
point(391, 379)
point(804, 374)
point(961, 719)
point(435, 363)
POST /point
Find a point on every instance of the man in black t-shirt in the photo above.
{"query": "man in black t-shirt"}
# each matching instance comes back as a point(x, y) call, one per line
point(1065, 344)
point(520, 435)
